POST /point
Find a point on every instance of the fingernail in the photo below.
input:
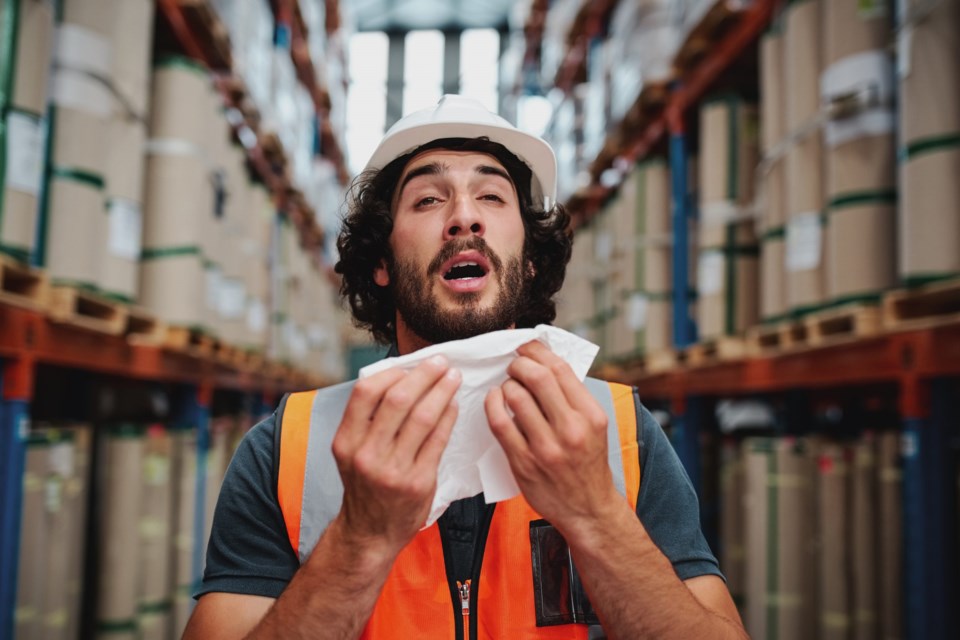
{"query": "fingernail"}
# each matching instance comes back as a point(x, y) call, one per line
point(453, 374)
point(439, 360)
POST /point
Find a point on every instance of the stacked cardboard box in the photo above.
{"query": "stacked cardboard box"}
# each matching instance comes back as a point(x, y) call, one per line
point(929, 73)
point(23, 97)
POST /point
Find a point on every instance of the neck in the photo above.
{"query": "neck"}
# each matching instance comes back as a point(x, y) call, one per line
point(407, 340)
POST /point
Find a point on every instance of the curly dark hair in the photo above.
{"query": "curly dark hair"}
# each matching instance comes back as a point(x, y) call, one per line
point(363, 242)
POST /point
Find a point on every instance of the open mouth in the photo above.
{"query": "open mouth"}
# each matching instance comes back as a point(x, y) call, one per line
point(466, 271)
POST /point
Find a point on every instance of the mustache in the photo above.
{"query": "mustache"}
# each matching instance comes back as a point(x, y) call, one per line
point(453, 247)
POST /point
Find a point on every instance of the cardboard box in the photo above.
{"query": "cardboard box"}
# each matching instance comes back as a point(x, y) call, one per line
point(861, 243)
point(929, 227)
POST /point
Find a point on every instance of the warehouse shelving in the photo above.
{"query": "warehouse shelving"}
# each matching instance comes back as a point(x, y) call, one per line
point(916, 365)
point(32, 340)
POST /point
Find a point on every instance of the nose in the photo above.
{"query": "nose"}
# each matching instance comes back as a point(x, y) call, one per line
point(464, 220)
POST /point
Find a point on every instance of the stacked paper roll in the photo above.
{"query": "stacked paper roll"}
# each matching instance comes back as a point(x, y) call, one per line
point(857, 90)
point(805, 257)
point(727, 266)
point(131, 34)
point(75, 216)
point(156, 514)
point(179, 194)
point(929, 74)
point(22, 111)
point(771, 212)
point(120, 497)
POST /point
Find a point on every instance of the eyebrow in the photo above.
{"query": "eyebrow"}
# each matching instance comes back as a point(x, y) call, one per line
point(436, 169)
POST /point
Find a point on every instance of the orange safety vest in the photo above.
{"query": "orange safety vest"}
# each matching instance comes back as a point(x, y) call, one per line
point(418, 600)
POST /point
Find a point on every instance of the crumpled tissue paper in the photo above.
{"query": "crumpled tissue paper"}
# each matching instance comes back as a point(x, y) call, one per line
point(474, 461)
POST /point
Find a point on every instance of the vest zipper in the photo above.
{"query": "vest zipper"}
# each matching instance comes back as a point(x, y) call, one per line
point(465, 625)
point(464, 589)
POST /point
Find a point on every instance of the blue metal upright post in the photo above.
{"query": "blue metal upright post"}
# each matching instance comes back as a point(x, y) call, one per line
point(14, 424)
point(930, 533)
point(683, 329)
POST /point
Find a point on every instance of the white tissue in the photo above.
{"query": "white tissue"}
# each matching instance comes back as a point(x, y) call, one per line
point(473, 460)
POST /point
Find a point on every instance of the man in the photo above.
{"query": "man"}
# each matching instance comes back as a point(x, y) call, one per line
point(453, 232)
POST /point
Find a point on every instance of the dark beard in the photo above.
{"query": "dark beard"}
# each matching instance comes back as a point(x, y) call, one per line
point(420, 310)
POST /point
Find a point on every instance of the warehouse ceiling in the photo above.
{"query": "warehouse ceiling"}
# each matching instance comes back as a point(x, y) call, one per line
point(408, 15)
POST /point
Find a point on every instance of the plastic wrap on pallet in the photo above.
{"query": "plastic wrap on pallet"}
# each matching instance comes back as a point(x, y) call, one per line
point(596, 104)
point(565, 134)
point(22, 123)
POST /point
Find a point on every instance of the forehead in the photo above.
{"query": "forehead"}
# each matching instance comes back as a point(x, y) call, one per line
point(452, 159)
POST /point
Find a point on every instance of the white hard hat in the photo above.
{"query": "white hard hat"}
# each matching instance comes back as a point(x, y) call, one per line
point(460, 117)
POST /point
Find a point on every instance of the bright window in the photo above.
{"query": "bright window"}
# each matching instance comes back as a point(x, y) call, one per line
point(422, 70)
point(366, 96)
point(479, 66)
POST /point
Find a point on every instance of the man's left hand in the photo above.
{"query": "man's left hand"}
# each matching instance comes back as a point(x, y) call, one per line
point(556, 439)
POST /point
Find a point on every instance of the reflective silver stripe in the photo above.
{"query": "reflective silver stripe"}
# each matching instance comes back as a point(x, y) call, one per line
point(322, 487)
point(601, 391)
point(323, 490)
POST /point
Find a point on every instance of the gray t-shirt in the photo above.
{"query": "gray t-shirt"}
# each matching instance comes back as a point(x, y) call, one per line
point(249, 551)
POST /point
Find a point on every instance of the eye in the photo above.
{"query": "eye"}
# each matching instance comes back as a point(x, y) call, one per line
point(492, 197)
point(426, 202)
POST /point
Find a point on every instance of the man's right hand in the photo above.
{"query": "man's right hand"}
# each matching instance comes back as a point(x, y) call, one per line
point(388, 447)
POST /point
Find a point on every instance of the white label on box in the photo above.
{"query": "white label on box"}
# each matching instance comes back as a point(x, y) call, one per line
point(61, 459)
point(804, 242)
point(126, 228)
point(256, 316)
point(637, 305)
point(214, 279)
point(233, 298)
point(24, 153)
point(710, 269)
point(317, 335)
point(603, 246)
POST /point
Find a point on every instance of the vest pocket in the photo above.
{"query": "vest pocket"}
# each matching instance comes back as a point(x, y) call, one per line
point(558, 593)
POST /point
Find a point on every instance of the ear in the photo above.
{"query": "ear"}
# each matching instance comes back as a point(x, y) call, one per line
point(380, 275)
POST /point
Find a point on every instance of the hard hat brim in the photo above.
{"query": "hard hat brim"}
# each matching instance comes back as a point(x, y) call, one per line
point(535, 152)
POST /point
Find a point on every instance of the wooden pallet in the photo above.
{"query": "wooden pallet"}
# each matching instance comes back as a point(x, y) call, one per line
point(663, 361)
point(23, 286)
point(722, 349)
point(933, 304)
point(848, 322)
point(87, 310)
point(190, 340)
point(143, 328)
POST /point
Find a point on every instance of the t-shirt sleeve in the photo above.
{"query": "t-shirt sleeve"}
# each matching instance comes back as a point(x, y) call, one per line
point(668, 506)
point(248, 551)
